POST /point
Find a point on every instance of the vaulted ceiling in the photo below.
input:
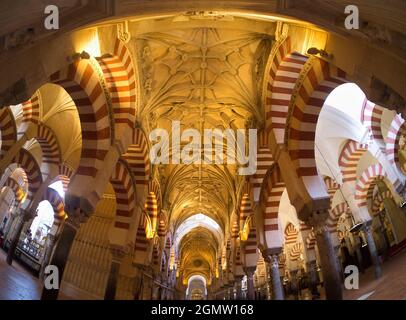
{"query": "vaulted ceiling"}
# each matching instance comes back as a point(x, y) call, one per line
point(203, 72)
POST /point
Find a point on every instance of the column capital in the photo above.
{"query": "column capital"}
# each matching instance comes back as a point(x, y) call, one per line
point(117, 252)
point(78, 210)
point(267, 253)
point(250, 271)
point(318, 221)
point(27, 214)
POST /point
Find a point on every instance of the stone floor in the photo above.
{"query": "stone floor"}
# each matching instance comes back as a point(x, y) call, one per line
point(391, 286)
point(18, 284)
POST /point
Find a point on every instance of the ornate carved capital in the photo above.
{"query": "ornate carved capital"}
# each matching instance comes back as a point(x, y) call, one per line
point(78, 210)
point(118, 253)
point(123, 31)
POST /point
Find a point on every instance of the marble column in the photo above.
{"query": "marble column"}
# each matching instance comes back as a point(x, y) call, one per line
point(250, 283)
point(118, 254)
point(238, 287)
point(10, 223)
point(328, 258)
point(138, 283)
point(312, 273)
point(294, 287)
point(76, 216)
point(358, 254)
point(277, 289)
point(50, 243)
point(155, 291)
point(22, 219)
point(367, 230)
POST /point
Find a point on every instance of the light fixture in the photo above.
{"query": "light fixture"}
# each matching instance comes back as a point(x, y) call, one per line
point(356, 227)
point(323, 53)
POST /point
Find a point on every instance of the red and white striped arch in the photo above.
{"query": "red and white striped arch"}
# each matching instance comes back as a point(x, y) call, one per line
point(321, 79)
point(16, 188)
point(349, 158)
point(291, 234)
point(271, 194)
point(379, 199)
point(8, 129)
point(296, 251)
point(396, 131)
point(46, 138)
point(151, 209)
point(334, 216)
point(27, 162)
point(141, 242)
point(161, 228)
point(31, 110)
point(332, 187)
point(285, 69)
point(245, 210)
point(264, 162)
point(82, 83)
point(118, 70)
point(307, 234)
point(366, 183)
point(250, 250)
point(123, 186)
point(53, 197)
point(66, 173)
point(371, 117)
point(155, 256)
point(137, 156)
point(311, 241)
point(234, 229)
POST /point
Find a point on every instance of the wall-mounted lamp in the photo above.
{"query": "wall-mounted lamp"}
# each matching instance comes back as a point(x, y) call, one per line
point(323, 53)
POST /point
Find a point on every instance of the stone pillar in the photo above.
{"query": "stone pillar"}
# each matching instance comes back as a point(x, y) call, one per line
point(250, 283)
point(118, 254)
point(238, 287)
point(294, 284)
point(155, 291)
point(277, 289)
point(51, 240)
point(13, 217)
point(311, 268)
point(367, 229)
point(328, 258)
point(23, 218)
point(138, 283)
point(358, 254)
point(76, 216)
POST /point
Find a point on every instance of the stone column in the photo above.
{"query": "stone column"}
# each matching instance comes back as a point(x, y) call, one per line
point(311, 267)
point(277, 289)
point(13, 217)
point(328, 259)
point(294, 284)
point(358, 254)
point(250, 283)
point(138, 283)
point(238, 287)
point(367, 229)
point(155, 289)
point(76, 216)
point(23, 218)
point(118, 254)
point(51, 240)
